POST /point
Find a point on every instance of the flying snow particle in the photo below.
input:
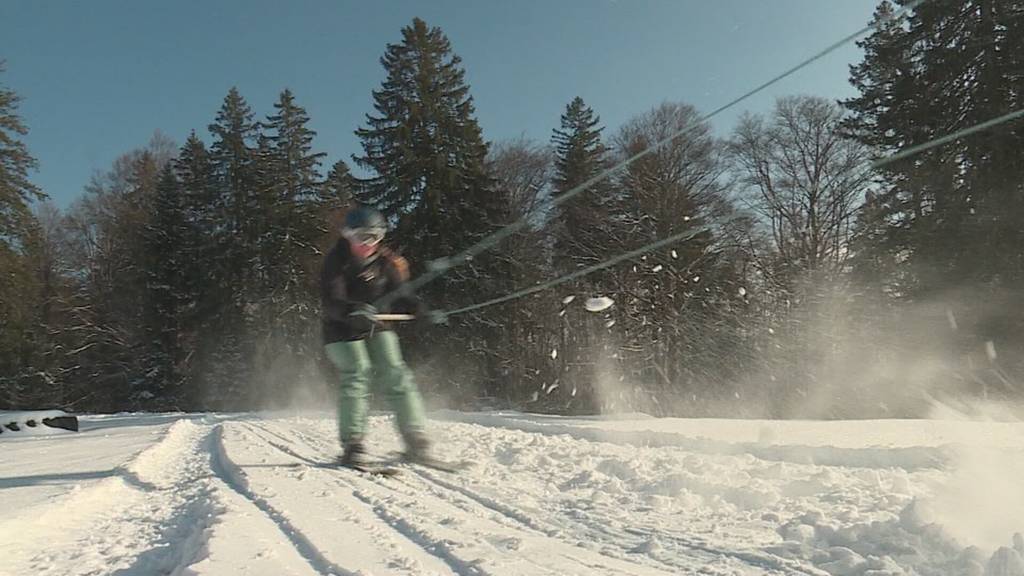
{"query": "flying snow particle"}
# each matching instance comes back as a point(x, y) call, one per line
point(573, 391)
point(551, 389)
point(675, 254)
point(554, 353)
point(568, 299)
point(696, 278)
point(562, 313)
point(771, 331)
point(535, 396)
point(990, 350)
point(609, 324)
point(742, 291)
point(686, 218)
point(599, 304)
point(657, 268)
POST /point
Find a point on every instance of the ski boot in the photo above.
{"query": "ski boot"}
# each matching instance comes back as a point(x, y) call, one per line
point(354, 455)
point(417, 448)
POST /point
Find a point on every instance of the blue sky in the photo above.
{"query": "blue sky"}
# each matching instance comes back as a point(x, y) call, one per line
point(98, 77)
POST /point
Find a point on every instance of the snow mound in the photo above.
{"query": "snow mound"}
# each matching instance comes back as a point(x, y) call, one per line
point(888, 547)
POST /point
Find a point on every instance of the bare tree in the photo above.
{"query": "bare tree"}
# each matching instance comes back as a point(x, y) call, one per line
point(522, 172)
point(804, 179)
point(679, 185)
point(673, 296)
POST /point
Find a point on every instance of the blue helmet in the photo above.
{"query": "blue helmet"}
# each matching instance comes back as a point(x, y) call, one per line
point(364, 225)
point(363, 217)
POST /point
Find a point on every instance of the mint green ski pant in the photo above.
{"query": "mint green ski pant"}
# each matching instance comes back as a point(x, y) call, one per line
point(376, 360)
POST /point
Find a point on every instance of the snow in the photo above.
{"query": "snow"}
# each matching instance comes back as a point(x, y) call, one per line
point(599, 304)
point(990, 351)
point(204, 494)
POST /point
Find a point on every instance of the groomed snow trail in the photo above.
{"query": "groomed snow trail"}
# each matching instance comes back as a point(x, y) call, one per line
point(257, 494)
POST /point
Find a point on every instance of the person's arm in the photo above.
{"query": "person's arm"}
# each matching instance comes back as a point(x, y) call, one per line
point(333, 291)
point(397, 271)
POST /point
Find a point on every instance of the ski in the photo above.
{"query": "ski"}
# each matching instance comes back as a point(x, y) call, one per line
point(373, 469)
point(432, 463)
point(440, 465)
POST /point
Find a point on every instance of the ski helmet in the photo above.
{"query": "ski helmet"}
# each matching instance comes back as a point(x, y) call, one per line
point(364, 217)
point(364, 225)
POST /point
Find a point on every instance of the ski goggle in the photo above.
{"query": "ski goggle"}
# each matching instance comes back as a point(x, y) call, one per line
point(365, 236)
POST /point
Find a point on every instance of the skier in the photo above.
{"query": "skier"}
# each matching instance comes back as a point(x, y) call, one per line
point(357, 272)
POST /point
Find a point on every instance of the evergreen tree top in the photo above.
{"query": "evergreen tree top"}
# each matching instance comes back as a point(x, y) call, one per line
point(424, 140)
point(579, 152)
point(234, 124)
point(15, 160)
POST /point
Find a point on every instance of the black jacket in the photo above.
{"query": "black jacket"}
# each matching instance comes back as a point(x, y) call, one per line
point(346, 281)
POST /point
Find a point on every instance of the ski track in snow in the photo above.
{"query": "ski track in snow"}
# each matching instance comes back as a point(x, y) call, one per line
point(149, 516)
point(443, 534)
point(593, 533)
point(259, 494)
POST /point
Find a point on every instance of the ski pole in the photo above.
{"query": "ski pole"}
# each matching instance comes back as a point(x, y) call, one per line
point(393, 317)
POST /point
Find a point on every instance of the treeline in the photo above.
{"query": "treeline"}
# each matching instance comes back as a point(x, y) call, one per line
point(806, 283)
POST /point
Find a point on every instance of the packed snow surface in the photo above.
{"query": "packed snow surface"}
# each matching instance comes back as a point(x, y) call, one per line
point(255, 494)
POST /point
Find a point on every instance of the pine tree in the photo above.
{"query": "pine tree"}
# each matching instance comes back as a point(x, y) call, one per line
point(194, 172)
point(198, 331)
point(236, 235)
point(295, 179)
point(232, 157)
point(337, 194)
point(424, 148)
point(583, 222)
point(426, 155)
point(585, 231)
point(168, 287)
point(339, 187)
point(18, 229)
point(939, 201)
point(290, 257)
point(952, 216)
point(16, 191)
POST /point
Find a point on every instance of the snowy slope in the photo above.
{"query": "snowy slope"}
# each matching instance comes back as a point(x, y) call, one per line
point(252, 494)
